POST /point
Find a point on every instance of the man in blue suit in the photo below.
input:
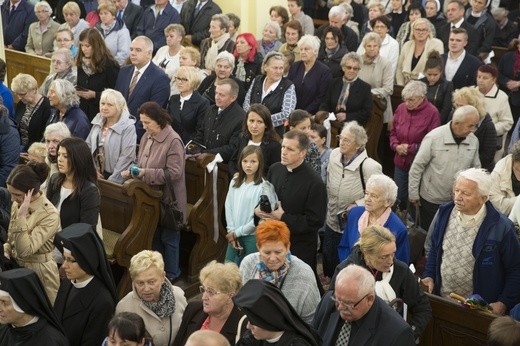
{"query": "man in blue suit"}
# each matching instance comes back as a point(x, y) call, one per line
point(155, 19)
point(17, 15)
point(142, 81)
point(352, 314)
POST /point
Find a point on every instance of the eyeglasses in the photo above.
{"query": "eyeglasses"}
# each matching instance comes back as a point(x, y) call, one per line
point(69, 260)
point(355, 68)
point(344, 139)
point(412, 99)
point(180, 79)
point(63, 40)
point(57, 62)
point(350, 306)
point(420, 30)
point(210, 291)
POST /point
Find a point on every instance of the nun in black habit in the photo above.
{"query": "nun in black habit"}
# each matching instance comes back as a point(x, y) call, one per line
point(86, 301)
point(272, 319)
point(26, 314)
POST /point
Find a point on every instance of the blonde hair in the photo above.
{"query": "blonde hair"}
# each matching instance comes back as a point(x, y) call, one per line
point(192, 74)
point(71, 7)
point(373, 238)
point(114, 97)
point(422, 21)
point(224, 276)
point(193, 53)
point(39, 150)
point(144, 260)
point(23, 83)
point(473, 97)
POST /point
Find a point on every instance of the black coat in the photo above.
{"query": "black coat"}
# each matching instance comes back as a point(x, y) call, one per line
point(271, 150)
point(83, 207)
point(439, 95)
point(207, 89)
point(473, 37)
point(186, 121)
point(219, 132)
point(198, 27)
point(304, 200)
point(252, 68)
point(310, 86)
point(466, 75)
point(334, 61)
point(38, 120)
point(405, 286)
point(194, 317)
point(205, 45)
point(487, 143)
point(350, 38)
point(84, 317)
point(131, 17)
point(35, 334)
point(96, 82)
point(288, 338)
point(359, 102)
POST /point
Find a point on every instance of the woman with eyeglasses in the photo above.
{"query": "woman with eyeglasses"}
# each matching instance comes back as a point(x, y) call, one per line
point(160, 304)
point(274, 263)
point(187, 109)
point(414, 53)
point(87, 299)
point(349, 97)
point(62, 67)
point(413, 119)
point(216, 311)
point(345, 189)
point(376, 251)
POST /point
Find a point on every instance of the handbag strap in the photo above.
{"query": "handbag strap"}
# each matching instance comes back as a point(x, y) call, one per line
point(239, 328)
point(169, 185)
point(361, 175)
point(417, 219)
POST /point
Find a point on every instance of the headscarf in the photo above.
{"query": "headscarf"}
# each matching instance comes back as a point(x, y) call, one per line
point(87, 249)
point(26, 290)
point(266, 307)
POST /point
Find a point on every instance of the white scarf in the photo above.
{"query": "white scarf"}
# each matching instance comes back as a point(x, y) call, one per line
point(211, 55)
point(383, 288)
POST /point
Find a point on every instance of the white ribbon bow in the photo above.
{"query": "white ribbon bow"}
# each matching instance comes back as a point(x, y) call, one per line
point(212, 168)
point(326, 123)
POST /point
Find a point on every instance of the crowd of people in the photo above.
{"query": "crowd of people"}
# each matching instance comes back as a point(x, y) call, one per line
point(136, 88)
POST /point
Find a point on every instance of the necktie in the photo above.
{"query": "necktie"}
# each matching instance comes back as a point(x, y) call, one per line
point(133, 82)
point(197, 9)
point(344, 334)
point(120, 15)
point(12, 9)
point(453, 27)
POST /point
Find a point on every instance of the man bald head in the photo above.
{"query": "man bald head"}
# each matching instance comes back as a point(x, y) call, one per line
point(206, 338)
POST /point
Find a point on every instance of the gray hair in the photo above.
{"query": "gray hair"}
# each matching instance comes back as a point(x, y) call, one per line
point(311, 41)
point(358, 131)
point(386, 184)
point(223, 19)
point(66, 54)
point(114, 97)
point(515, 152)
point(338, 11)
point(148, 44)
point(65, 91)
point(348, 9)
point(272, 55)
point(227, 56)
point(358, 275)
point(499, 12)
point(43, 4)
point(480, 176)
point(59, 129)
point(372, 37)
point(414, 88)
point(463, 112)
point(276, 28)
point(351, 56)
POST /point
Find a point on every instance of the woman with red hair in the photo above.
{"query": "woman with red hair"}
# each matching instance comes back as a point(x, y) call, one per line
point(274, 263)
point(248, 59)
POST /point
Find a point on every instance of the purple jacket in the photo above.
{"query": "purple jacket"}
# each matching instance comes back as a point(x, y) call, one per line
point(410, 127)
point(166, 150)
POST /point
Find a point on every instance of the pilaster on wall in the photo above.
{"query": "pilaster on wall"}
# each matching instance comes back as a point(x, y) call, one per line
point(253, 13)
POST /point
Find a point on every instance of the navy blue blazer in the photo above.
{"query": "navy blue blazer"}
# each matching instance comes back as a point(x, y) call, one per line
point(16, 25)
point(506, 69)
point(311, 87)
point(381, 325)
point(466, 75)
point(153, 27)
point(154, 85)
point(474, 39)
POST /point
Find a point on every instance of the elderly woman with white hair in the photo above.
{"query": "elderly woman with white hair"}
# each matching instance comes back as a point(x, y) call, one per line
point(40, 38)
point(345, 189)
point(309, 75)
point(413, 119)
point(62, 96)
point(224, 66)
point(270, 41)
point(380, 196)
point(154, 298)
point(349, 97)
point(112, 139)
point(62, 67)
point(414, 53)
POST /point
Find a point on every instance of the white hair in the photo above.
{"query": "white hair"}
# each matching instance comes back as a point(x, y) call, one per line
point(311, 41)
point(480, 176)
point(276, 27)
point(338, 11)
point(384, 183)
point(462, 112)
point(358, 275)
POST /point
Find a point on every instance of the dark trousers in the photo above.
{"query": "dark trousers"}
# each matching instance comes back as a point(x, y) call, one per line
point(329, 249)
point(427, 211)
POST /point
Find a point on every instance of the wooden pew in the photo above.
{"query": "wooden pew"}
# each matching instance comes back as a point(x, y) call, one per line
point(129, 215)
point(20, 62)
point(453, 324)
point(197, 242)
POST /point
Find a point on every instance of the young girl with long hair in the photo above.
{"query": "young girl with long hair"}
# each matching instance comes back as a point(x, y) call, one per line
point(242, 198)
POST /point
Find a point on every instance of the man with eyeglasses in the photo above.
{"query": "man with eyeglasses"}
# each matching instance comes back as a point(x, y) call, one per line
point(443, 152)
point(352, 314)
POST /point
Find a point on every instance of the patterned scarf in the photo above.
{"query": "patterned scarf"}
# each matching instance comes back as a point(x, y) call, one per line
point(240, 73)
point(165, 306)
point(275, 277)
point(86, 65)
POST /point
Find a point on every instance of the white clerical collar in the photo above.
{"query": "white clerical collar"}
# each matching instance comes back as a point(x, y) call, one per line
point(458, 24)
point(82, 284)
